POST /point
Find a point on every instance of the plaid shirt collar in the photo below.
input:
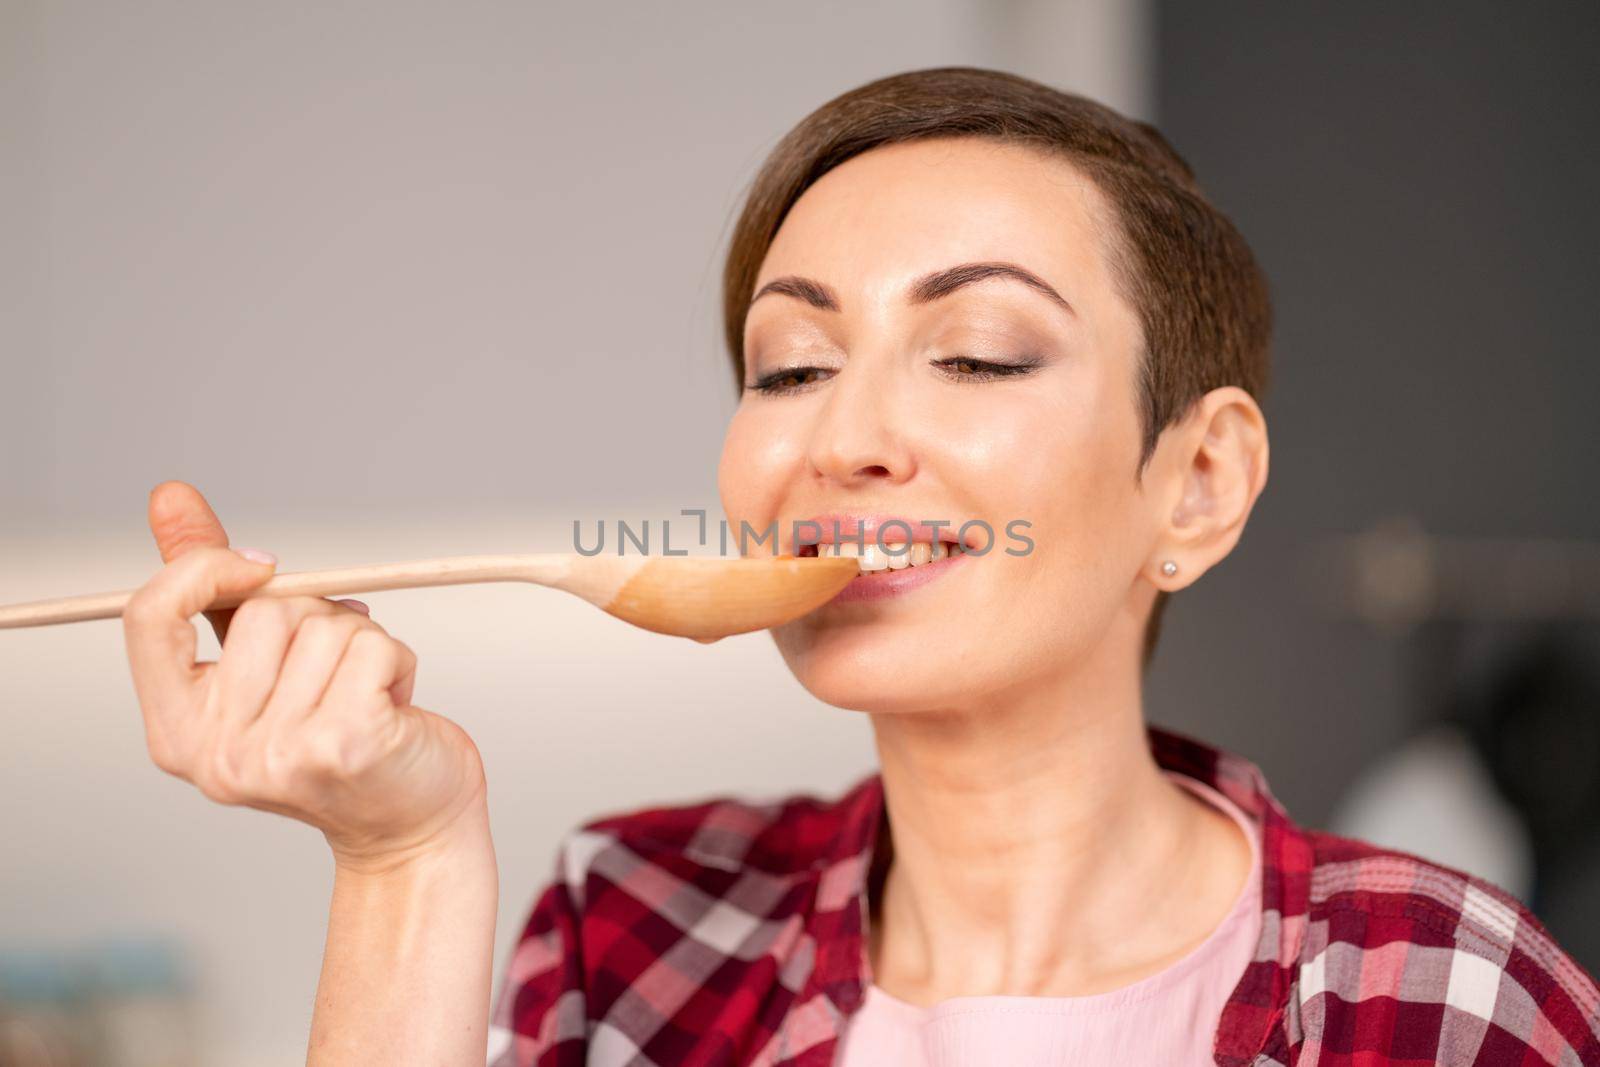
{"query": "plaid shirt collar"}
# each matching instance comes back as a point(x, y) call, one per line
point(1254, 1011)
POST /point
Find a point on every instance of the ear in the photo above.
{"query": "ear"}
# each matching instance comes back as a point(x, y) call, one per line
point(1215, 468)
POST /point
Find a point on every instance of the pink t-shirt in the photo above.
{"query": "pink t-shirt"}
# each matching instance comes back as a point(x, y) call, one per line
point(1167, 1019)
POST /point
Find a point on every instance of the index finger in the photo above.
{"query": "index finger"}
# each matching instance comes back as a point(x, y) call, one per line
point(156, 627)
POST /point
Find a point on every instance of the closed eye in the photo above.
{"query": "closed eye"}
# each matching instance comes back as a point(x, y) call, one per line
point(967, 369)
point(789, 380)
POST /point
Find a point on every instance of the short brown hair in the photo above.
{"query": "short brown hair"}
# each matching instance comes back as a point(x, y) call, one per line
point(1201, 298)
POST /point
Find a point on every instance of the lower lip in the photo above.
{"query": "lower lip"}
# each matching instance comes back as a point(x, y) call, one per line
point(876, 585)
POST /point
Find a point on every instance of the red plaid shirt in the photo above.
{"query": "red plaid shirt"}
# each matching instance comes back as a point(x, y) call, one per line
point(731, 931)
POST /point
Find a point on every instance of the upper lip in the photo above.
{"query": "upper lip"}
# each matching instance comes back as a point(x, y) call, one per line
point(837, 526)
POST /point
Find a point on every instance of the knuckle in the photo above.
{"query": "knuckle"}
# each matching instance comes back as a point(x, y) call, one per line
point(282, 759)
point(216, 788)
point(163, 753)
point(320, 626)
point(328, 751)
point(344, 751)
point(213, 555)
point(261, 612)
point(371, 644)
point(140, 610)
point(299, 607)
point(225, 774)
point(199, 564)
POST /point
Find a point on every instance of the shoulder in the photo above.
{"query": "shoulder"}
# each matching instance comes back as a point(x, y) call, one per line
point(709, 885)
point(762, 856)
point(776, 834)
point(1446, 963)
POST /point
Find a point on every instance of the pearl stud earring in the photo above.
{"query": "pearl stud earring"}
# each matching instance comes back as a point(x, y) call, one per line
point(1169, 568)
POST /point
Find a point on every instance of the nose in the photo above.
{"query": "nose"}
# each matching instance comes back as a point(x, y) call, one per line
point(857, 439)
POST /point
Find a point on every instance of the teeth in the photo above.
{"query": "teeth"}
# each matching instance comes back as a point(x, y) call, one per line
point(894, 555)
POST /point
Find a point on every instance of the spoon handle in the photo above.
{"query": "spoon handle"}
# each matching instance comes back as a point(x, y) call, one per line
point(549, 569)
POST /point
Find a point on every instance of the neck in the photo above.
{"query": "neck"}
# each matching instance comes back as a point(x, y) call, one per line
point(1034, 841)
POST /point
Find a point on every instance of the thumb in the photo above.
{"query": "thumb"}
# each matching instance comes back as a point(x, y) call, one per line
point(204, 576)
point(181, 521)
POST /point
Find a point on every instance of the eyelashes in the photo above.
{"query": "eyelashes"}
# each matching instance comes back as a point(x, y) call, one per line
point(790, 380)
point(965, 368)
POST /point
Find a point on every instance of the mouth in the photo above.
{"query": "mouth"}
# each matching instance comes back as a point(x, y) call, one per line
point(892, 556)
point(893, 567)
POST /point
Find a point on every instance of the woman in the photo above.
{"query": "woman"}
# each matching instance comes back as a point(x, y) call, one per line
point(957, 301)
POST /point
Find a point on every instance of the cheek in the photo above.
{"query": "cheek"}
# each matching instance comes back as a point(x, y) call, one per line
point(1052, 464)
point(1066, 468)
point(759, 453)
point(1082, 497)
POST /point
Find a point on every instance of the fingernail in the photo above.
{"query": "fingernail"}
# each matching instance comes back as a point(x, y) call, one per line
point(356, 604)
point(256, 555)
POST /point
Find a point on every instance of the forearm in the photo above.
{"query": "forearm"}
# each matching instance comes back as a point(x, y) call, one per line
point(407, 971)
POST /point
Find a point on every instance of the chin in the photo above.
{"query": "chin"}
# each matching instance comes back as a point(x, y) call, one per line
point(855, 668)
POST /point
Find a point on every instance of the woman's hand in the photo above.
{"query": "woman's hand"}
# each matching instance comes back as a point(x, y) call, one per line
point(306, 713)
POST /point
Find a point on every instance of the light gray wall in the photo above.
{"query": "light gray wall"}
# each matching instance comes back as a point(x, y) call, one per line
point(343, 259)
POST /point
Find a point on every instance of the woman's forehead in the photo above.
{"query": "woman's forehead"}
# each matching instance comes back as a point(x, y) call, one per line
point(899, 212)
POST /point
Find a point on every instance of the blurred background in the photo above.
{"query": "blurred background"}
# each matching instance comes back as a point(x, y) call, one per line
point(394, 280)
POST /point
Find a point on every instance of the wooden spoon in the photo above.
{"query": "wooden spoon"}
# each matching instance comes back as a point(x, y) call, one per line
point(703, 597)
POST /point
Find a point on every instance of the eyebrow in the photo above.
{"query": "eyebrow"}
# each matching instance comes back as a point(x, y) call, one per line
point(929, 287)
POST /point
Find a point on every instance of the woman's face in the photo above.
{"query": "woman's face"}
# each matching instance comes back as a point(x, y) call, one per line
point(880, 387)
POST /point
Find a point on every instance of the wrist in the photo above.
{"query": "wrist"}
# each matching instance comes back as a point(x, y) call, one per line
point(463, 846)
